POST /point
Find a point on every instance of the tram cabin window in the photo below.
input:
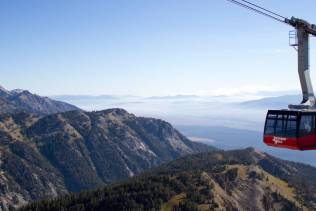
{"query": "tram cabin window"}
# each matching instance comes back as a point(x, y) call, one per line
point(270, 124)
point(291, 127)
point(280, 126)
point(307, 124)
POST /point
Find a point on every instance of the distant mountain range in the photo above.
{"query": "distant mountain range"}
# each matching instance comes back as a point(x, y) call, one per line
point(84, 97)
point(280, 102)
point(218, 180)
point(44, 157)
point(22, 100)
point(174, 97)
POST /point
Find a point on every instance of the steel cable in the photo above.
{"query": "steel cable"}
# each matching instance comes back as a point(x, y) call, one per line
point(257, 10)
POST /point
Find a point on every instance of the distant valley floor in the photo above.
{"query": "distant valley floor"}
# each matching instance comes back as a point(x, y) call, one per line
point(232, 138)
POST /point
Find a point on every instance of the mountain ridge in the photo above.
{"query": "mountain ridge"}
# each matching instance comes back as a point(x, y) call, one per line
point(19, 100)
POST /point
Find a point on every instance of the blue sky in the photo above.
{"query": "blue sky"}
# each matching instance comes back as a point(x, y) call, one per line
point(147, 47)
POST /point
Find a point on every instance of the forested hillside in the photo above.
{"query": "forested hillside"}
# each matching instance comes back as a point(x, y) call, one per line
point(231, 180)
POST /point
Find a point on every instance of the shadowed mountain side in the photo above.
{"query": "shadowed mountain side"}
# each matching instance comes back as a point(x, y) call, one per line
point(72, 151)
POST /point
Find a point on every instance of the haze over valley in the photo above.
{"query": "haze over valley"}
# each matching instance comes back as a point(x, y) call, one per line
point(226, 122)
point(243, 111)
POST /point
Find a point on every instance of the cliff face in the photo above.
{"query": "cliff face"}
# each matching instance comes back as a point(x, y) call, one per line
point(68, 152)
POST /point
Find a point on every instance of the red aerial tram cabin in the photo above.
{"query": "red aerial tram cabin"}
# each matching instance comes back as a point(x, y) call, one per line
point(292, 129)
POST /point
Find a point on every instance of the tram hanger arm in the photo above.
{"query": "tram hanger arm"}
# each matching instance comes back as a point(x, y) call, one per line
point(300, 23)
point(294, 22)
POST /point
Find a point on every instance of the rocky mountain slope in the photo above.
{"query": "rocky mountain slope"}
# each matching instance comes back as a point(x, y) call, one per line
point(218, 180)
point(22, 100)
point(67, 152)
